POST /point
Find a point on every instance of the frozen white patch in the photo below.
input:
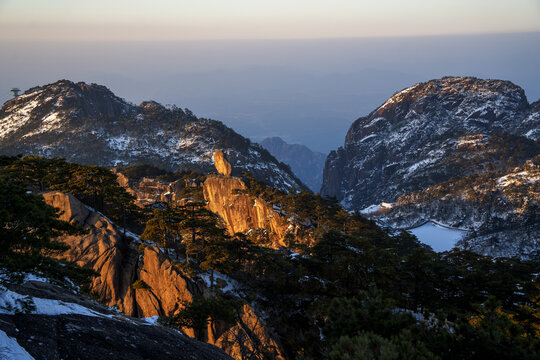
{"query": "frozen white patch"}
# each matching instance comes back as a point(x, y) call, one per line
point(12, 302)
point(152, 320)
point(10, 349)
point(16, 119)
point(232, 285)
point(438, 237)
point(374, 208)
point(119, 142)
point(32, 277)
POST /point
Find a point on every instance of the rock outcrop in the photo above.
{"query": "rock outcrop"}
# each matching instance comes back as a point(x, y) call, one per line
point(248, 337)
point(222, 165)
point(101, 334)
point(120, 264)
point(242, 212)
point(103, 249)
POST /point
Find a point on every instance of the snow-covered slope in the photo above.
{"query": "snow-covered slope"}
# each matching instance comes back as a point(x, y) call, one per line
point(422, 135)
point(88, 124)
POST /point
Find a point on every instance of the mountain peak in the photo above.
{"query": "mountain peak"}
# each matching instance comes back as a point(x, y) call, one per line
point(89, 125)
point(404, 145)
point(453, 90)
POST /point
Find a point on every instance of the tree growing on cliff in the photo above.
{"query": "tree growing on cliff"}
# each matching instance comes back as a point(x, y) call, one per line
point(163, 228)
point(94, 185)
point(28, 227)
point(201, 312)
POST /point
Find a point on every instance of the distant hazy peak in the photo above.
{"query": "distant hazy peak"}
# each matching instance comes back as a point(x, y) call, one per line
point(304, 162)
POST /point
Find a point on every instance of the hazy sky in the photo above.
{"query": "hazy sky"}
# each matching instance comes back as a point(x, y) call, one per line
point(136, 20)
point(300, 69)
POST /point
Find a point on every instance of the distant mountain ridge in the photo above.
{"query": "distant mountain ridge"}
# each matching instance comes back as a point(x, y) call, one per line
point(305, 163)
point(88, 124)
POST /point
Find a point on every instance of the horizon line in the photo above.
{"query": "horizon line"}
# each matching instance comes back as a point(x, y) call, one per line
point(370, 37)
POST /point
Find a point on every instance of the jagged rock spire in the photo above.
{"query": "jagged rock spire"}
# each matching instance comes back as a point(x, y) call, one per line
point(221, 164)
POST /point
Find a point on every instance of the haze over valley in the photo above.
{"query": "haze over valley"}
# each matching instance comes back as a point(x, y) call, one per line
point(304, 91)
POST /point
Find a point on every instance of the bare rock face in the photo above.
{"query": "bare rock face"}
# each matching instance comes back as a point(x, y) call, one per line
point(102, 248)
point(119, 264)
point(149, 191)
point(107, 335)
point(105, 250)
point(167, 285)
point(222, 165)
point(243, 340)
point(240, 211)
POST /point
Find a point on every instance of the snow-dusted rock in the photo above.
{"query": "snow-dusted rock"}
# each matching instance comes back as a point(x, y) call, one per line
point(419, 137)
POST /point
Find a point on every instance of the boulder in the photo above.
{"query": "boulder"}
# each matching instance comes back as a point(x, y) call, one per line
point(222, 165)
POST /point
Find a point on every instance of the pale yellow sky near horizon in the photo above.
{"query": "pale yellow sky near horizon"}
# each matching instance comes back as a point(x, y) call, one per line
point(166, 20)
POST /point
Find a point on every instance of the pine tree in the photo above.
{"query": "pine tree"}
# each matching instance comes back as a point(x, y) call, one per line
point(28, 226)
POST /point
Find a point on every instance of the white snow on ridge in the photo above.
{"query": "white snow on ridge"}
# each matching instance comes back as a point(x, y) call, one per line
point(10, 349)
point(152, 320)
point(50, 122)
point(367, 137)
point(12, 302)
point(517, 178)
point(17, 119)
point(440, 238)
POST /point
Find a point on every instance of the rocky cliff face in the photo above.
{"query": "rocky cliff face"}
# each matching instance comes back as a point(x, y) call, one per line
point(410, 142)
point(89, 125)
point(226, 196)
point(306, 164)
point(149, 191)
point(242, 212)
point(120, 263)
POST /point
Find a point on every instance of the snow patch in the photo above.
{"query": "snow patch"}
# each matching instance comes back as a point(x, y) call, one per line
point(440, 238)
point(121, 142)
point(12, 302)
point(152, 320)
point(17, 119)
point(232, 285)
point(374, 208)
point(10, 349)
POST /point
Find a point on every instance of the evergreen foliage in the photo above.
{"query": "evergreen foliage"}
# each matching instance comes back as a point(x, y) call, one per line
point(353, 290)
point(28, 227)
point(202, 311)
